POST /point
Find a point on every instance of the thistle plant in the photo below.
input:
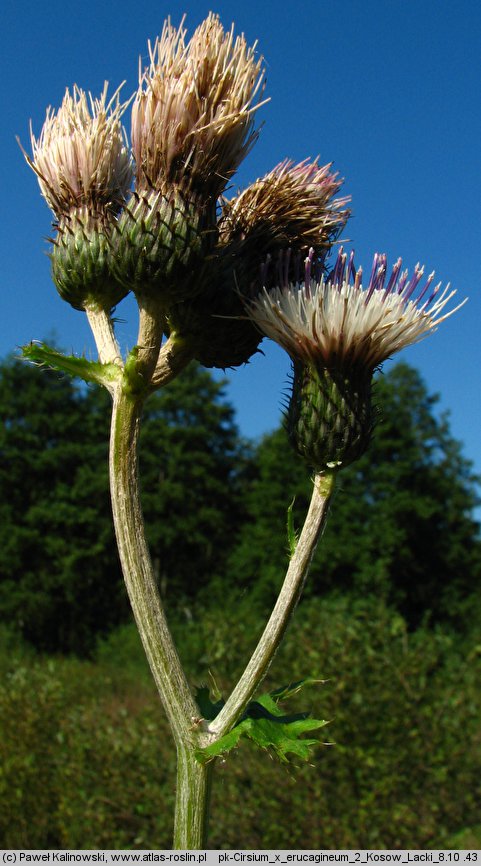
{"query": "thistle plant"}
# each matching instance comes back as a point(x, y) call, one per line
point(212, 276)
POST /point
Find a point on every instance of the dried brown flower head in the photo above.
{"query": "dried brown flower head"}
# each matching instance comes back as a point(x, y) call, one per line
point(291, 206)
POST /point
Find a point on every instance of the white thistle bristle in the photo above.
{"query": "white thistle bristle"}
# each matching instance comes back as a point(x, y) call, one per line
point(340, 322)
point(81, 156)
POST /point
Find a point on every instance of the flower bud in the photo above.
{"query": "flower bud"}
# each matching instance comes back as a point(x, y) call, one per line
point(82, 262)
point(216, 327)
point(291, 205)
point(192, 117)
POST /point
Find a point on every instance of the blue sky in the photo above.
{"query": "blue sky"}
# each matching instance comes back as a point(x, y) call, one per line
point(388, 91)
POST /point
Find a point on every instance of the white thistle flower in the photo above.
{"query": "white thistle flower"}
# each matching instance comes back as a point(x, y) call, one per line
point(81, 157)
point(337, 322)
point(337, 333)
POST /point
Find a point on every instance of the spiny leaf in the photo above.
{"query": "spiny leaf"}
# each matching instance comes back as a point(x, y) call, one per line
point(292, 536)
point(89, 371)
point(208, 709)
point(285, 692)
point(264, 723)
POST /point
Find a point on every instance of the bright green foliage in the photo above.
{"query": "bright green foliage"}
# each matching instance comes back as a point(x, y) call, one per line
point(292, 535)
point(264, 723)
point(401, 522)
point(79, 757)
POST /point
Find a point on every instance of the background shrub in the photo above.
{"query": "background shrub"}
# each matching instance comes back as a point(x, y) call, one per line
point(87, 760)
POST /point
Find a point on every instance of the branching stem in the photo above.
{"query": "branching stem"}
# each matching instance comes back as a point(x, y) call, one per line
point(283, 610)
point(153, 367)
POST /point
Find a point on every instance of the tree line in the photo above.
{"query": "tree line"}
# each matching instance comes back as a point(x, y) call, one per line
point(402, 526)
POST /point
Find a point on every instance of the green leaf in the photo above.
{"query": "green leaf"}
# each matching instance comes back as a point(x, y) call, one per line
point(89, 371)
point(265, 724)
point(292, 535)
point(286, 692)
point(208, 709)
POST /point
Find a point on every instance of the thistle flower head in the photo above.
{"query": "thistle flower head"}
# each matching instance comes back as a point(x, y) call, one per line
point(81, 158)
point(337, 333)
point(291, 206)
point(192, 118)
point(336, 322)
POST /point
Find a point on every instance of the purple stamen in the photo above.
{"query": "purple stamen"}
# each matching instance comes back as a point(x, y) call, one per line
point(307, 272)
point(374, 268)
point(402, 282)
point(378, 281)
point(334, 275)
point(428, 283)
point(351, 271)
point(433, 294)
point(393, 278)
point(377, 276)
point(341, 269)
point(413, 283)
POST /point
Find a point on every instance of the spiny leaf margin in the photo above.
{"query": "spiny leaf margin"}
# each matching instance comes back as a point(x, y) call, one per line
point(264, 723)
point(80, 367)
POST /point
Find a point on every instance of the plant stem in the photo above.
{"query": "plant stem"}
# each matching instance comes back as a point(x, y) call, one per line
point(149, 339)
point(287, 600)
point(194, 781)
point(103, 331)
point(138, 573)
point(193, 778)
point(174, 355)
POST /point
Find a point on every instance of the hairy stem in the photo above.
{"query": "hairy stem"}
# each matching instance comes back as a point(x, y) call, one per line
point(193, 778)
point(138, 573)
point(151, 327)
point(283, 610)
point(174, 355)
point(192, 801)
point(103, 330)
